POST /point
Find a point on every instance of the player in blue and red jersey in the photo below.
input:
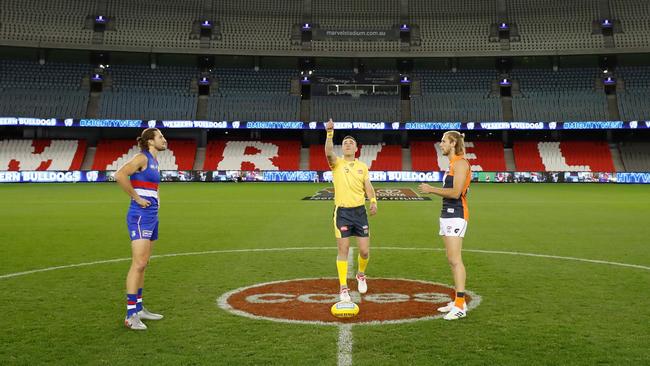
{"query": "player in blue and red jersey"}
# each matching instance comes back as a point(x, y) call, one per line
point(139, 178)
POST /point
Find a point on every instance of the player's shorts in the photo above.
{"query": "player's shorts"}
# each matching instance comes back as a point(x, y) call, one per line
point(351, 221)
point(142, 227)
point(453, 226)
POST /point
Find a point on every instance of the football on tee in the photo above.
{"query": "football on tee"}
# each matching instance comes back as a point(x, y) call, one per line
point(345, 309)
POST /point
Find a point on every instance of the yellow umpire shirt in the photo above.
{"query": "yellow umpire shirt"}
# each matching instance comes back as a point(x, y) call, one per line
point(349, 178)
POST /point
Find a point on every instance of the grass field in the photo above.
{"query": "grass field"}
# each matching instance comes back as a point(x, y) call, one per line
point(534, 310)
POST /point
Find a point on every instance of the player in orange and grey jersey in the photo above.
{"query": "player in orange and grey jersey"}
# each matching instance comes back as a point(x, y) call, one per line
point(454, 215)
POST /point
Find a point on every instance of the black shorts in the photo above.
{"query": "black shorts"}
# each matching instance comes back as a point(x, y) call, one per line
point(351, 221)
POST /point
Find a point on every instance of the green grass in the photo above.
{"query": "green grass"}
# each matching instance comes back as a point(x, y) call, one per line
point(534, 310)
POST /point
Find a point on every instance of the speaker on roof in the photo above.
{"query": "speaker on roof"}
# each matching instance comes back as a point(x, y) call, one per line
point(505, 86)
point(206, 28)
point(504, 30)
point(96, 82)
point(204, 85)
point(305, 32)
point(99, 24)
point(405, 33)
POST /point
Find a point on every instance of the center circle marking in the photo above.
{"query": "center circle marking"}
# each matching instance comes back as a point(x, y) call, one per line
point(308, 301)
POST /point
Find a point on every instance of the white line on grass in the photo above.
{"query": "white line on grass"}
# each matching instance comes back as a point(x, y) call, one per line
point(595, 261)
point(345, 345)
point(346, 338)
point(9, 275)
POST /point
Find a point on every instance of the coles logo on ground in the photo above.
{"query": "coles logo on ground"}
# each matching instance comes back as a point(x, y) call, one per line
point(388, 300)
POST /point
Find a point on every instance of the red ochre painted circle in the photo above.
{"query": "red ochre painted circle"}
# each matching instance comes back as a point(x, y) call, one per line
point(310, 300)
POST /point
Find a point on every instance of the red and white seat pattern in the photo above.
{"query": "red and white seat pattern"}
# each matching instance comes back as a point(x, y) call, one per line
point(482, 155)
point(112, 154)
point(41, 154)
point(381, 157)
point(377, 157)
point(586, 156)
point(252, 155)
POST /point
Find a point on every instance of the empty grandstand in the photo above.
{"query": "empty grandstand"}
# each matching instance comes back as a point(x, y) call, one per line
point(566, 94)
point(261, 61)
point(29, 89)
point(464, 95)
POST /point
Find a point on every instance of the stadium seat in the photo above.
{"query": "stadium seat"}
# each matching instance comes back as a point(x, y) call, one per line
point(555, 24)
point(252, 155)
point(444, 26)
point(365, 108)
point(482, 155)
point(589, 156)
point(248, 95)
point(139, 92)
point(256, 25)
point(54, 22)
point(633, 100)
point(452, 26)
point(53, 90)
point(463, 95)
point(377, 156)
point(41, 154)
point(112, 154)
point(424, 156)
point(635, 16)
point(635, 156)
point(564, 95)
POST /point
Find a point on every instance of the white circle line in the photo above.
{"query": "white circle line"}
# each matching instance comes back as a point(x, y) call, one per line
point(523, 254)
point(85, 264)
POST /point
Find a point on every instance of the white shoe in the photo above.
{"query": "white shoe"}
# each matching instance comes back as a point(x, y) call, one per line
point(455, 313)
point(447, 308)
point(134, 322)
point(345, 295)
point(362, 285)
point(147, 315)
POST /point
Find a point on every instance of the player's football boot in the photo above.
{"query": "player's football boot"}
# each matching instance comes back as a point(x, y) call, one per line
point(147, 315)
point(455, 313)
point(447, 308)
point(345, 295)
point(134, 322)
point(362, 285)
